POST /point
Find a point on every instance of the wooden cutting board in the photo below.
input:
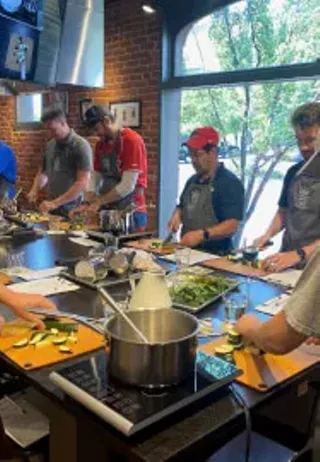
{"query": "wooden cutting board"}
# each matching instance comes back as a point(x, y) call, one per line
point(145, 244)
point(265, 371)
point(31, 357)
point(234, 267)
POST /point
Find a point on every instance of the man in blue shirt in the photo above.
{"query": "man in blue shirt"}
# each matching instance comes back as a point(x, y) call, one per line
point(8, 171)
point(211, 204)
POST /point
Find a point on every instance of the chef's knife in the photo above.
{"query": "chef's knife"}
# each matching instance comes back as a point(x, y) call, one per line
point(168, 238)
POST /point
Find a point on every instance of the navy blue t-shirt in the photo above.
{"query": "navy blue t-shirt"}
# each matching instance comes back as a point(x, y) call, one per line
point(289, 176)
point(227, 203)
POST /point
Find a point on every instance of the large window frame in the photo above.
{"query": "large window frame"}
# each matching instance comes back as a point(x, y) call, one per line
point(179, 17)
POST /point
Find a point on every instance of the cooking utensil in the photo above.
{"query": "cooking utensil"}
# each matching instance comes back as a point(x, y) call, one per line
point(17, 194)
point(166, 360)
point(168, 238)
point(107, 297)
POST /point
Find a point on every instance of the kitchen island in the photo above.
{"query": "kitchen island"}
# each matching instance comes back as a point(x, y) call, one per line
point(193, 433)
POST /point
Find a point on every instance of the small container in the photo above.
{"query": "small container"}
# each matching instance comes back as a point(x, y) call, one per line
point(92, 269)
point(235, 306)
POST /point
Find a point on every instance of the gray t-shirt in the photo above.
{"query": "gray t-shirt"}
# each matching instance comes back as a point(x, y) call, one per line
point(303, 308)
point(62, 160)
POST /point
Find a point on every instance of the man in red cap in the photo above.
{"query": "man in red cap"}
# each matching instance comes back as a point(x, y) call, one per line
point(211, 204)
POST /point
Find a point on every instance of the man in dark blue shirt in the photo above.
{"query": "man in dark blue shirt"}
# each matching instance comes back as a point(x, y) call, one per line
point(299, 205)
point(211, 204)
point(8, 171)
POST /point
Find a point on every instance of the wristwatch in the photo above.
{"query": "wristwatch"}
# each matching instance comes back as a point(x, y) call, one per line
point(303, 256)
point(206, 234)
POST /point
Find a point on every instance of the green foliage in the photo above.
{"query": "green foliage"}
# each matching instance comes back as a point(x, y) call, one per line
point(256, 118)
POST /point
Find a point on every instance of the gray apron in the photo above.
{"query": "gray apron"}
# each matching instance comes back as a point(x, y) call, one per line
point(197, 211)
point(110, 178)
point(302, 218)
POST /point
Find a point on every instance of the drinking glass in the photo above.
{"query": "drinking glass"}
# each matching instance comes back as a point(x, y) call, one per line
point(182, 257)
point(235, 306)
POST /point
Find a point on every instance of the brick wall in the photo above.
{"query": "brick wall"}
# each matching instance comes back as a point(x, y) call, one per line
point(132, 72)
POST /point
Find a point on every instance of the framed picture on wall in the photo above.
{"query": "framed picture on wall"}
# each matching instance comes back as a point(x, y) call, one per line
point(127, 113)
point(84, 105)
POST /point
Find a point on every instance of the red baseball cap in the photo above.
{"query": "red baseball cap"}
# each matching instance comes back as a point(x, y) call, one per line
point(201, 137)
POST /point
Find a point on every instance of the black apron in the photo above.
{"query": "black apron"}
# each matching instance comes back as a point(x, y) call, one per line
point(302, 217)
point(110, 173)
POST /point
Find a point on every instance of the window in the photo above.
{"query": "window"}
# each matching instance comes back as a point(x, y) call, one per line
point(29, 108)
point(251, 34)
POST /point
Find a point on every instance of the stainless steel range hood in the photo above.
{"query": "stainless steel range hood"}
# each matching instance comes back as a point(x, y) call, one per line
point(69, 48)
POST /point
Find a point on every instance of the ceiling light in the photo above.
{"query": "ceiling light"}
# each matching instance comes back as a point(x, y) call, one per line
point(148, 8)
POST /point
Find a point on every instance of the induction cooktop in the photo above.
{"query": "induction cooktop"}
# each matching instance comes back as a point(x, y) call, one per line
point(131, 409)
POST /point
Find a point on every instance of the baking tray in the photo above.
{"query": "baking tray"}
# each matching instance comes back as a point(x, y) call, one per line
point(109, 281)
point(196, 309)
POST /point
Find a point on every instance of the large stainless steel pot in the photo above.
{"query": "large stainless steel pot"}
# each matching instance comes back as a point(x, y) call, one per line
point(167, 360)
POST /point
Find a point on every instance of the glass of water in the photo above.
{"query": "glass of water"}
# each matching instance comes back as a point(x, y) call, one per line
point(235, 306)
point(182, 257)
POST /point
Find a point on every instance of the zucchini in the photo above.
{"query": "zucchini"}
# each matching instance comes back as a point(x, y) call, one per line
point(68, 327)
point(21, 344)
point(54, 331)
point(59, 340)
point(72, 339)
point(43, 343)
point(37, 337)
point(65, 349)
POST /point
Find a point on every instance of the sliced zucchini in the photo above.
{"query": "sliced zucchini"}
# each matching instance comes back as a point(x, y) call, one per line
point(44, 343)
point(224, 350)
point(59, 340)
point(21, 344)
point(54, 331)
point(61, 326)
point(37, 337)
point(72, 339)
point(65, 349)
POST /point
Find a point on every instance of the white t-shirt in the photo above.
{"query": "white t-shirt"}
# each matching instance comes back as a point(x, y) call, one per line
point(303, 308)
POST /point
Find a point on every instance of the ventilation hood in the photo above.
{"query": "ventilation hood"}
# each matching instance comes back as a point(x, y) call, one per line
point(62, 42)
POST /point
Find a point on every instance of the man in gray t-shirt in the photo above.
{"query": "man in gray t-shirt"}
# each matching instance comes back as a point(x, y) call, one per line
point(297, 322)
point(66, 166)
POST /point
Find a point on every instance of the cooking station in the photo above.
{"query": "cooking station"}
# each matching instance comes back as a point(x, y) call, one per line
point(188, 422)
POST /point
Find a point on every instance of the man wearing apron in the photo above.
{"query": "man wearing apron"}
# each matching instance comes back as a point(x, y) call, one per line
point(8, 171)
point(211, 204)
point(299, 205)
point(120, 167)
point(66, 166)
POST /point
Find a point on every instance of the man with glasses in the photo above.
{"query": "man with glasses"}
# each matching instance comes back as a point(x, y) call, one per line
point(211, 204)
point(120, 167)
point(299, 205)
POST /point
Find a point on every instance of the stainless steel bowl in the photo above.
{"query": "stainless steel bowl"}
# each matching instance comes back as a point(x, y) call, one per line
point(167, 360)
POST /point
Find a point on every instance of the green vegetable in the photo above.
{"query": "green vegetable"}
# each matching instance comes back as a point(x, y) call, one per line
point(197, 290)
point(65, 349)
point(37, 337)
point(54, 331)
point(59, 340)
point(61, 326)
point(21, 344)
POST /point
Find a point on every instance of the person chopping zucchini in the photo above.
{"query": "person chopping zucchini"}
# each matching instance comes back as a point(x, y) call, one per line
point(299, 204)
point(66, 166)
point(120, 168)
point(212, 202)
point(19, 304)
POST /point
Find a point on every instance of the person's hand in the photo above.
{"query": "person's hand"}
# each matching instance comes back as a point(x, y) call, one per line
point(260, 242)
point(313, 341)
point(84, 210)
point(20, 303)
point(192, 238)
point(47, 206)
point(246, 325)
point(280, 261)
point(174, 222)
point(32, 196)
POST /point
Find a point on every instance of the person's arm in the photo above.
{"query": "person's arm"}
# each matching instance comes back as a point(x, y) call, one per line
point(299, 320)
point(84, 166)
point(229, 213)
point(124, 188)
point(274, 336)
point(39, 183)
point(19, 304)
point(175, 220)
point(276, 225)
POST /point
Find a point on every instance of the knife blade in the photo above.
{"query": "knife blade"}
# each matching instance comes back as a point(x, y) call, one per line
point(168, 238)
